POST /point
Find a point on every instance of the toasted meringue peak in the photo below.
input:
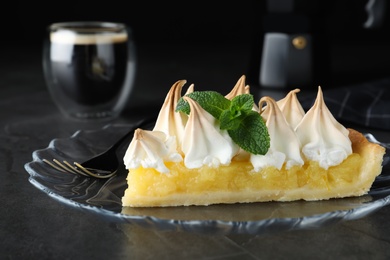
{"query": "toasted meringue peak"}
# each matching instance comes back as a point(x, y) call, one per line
point(284, 144)
point(169, 121)
point(323, 139)
point(238, 89)
point(292, 108)
point(205, 143)
point(190, 89)
point(150, 149)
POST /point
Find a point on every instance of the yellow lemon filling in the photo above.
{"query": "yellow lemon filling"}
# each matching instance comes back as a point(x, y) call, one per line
point(206, 185)
point(238, 176)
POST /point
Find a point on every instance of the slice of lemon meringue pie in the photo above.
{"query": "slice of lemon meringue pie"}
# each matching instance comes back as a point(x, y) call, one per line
point(207, 149)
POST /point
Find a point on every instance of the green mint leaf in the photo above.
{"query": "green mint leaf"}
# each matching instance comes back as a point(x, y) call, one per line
point(242, 102)
point(240, 106)
point(252, 134)
point(230, 120)
point(211, 101)
point(183, 106)
point(245, 126)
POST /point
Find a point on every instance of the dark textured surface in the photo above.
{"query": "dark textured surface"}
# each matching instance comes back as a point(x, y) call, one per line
point(34, 226)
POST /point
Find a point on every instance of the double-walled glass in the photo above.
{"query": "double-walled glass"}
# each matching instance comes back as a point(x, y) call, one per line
point(89, 68)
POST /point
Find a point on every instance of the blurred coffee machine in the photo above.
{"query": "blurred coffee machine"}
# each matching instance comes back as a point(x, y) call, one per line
point(308, 43)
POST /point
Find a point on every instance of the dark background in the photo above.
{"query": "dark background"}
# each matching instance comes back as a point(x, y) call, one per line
point(194, 30)
point(187, 21)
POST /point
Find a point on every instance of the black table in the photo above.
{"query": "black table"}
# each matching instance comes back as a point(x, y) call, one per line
point(34, 226)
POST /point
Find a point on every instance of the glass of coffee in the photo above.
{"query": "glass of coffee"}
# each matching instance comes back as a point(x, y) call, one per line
point(89, 68)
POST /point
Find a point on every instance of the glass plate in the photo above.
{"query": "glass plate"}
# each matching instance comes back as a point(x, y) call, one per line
point(103, 197)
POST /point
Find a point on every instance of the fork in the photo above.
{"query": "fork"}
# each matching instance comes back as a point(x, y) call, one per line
point(103, 165)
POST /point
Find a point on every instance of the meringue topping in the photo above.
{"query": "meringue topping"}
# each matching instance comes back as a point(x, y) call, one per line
point(205, 143)
point(238, 89)
point(279, 129)
point(150, 149)
point(291, 108)
point(198, 140)
point(190, 89)
point(323, 139)
point(168, 121)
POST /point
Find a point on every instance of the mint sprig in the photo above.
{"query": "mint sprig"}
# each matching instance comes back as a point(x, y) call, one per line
point(245, 126)
point(211, 101)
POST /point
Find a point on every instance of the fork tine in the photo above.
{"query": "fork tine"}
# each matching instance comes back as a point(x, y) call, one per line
point(64, 167)
point(73, 169)
point(106, 175)
point(54, 166)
